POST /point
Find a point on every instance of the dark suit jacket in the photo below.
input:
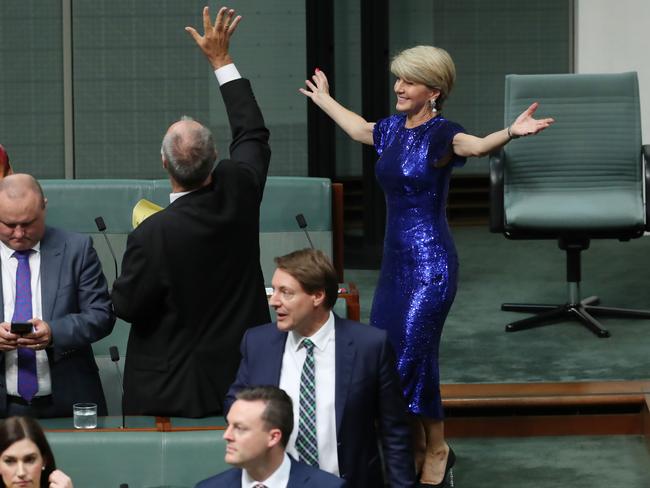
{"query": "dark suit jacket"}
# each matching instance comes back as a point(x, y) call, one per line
point(300, 475)
point(77, 307)
point(368, 399)
point(191, 280)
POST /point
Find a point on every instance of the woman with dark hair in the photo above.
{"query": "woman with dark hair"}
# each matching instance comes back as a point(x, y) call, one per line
point(26, 460)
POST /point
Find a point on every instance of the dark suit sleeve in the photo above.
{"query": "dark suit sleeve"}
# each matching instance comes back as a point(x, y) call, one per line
point(250, 137)
point(138, 292)
point(94, 318)
point(242, 380)
point(394, 428)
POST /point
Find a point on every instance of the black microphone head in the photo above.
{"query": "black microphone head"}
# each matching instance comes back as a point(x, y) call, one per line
point(99, 222)
point(124, 485)
point(302, 223)
point(115, 354)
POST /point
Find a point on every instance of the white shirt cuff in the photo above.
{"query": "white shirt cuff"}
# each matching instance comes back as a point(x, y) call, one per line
point(226, 73)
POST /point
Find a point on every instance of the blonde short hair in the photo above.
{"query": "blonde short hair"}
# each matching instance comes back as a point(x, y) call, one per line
point(431, 66)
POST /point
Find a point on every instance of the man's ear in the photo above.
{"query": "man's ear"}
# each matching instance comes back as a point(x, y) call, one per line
point(275, 437)
point(319, 298)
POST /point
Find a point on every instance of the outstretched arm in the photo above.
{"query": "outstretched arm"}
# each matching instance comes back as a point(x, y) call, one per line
point(216, 38)
point(249, 134)
point(353, 124)
point(525, 125)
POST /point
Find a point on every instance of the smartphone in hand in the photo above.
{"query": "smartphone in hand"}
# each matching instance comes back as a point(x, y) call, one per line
point(21, 328)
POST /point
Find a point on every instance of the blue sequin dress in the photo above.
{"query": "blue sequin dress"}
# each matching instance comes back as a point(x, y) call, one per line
point(419, 269)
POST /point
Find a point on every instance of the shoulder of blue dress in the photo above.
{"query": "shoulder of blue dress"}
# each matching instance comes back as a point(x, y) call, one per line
point(394, 120)
point(449, 123)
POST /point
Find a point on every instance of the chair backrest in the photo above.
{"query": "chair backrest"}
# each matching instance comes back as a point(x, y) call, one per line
point(583, 174)
point(74, 205)
point(142, 459)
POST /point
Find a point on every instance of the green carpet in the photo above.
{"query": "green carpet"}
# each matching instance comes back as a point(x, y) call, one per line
point(552, 462)
point(475, 348)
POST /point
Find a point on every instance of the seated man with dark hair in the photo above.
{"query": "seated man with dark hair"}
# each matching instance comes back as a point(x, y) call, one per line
point(259, 425)
point(340, 375)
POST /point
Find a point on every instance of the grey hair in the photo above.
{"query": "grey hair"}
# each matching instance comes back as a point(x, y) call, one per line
point(190, 155)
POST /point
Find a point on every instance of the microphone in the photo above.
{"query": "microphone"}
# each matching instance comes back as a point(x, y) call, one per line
point(115, 357)
point(302, 223)
point(101, 227)
point(124, 485)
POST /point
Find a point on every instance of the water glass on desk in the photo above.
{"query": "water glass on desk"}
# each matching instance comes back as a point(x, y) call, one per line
point(84, 415)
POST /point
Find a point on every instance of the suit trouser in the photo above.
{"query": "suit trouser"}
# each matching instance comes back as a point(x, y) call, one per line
point(39, 407)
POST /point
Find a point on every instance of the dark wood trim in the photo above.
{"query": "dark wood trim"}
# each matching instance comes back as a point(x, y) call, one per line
point(374, 106)
point(351, 297)
point(163, 424)
point(197, 428)
point(337, 230)
point(321, 143)
point(575, 408)
point(541, 425)
point(112, 429)
point(645, 417)
point(467, 393)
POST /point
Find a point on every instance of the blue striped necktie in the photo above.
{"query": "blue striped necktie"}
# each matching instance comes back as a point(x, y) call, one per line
point(306, 441)
point(27, 379)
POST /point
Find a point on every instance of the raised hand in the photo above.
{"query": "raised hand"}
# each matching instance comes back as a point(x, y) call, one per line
point(215, 40)
point(317, 88)
point(58, 479)
point(526, 124)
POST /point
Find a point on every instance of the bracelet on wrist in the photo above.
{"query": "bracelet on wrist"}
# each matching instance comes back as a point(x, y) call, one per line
point(511, 135)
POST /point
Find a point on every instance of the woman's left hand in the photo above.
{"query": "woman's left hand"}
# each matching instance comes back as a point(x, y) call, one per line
point(58, 479)
point(526, 124)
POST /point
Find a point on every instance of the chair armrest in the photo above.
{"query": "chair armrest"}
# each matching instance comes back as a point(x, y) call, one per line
point(646, 157)
point(496, 192)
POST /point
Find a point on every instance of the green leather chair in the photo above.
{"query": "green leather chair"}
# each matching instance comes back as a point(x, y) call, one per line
point(74, 204)
point(141, 459)
point(579, 180)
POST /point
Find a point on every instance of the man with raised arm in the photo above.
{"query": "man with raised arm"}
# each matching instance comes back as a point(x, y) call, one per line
point(191, 280)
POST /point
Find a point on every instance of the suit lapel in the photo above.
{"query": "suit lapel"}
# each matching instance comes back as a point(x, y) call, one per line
point(345, 352)
point(275, 354)
point(51, 259)
point(297, 476)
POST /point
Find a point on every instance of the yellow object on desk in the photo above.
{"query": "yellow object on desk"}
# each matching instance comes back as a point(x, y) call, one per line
point(142, 210)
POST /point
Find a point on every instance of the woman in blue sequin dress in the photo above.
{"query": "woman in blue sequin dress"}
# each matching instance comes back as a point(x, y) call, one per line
point(417, 150)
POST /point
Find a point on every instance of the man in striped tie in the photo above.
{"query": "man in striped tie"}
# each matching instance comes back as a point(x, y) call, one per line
point(340, 375)
point(259, 425)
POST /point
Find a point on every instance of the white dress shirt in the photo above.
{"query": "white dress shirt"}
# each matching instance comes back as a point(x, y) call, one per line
point(325, 375)
point(9, 265)
point(224, 74)
point(279, 478)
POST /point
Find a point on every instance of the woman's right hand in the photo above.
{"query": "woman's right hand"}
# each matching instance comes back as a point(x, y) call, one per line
point(318, 88)
point(58, 479)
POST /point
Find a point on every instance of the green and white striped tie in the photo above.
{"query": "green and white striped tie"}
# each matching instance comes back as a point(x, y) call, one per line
point(306, 441)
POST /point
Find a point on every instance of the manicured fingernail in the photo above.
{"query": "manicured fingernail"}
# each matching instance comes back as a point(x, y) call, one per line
point(317, 70)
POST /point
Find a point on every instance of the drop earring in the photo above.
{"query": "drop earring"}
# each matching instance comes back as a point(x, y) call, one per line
point(433, 106)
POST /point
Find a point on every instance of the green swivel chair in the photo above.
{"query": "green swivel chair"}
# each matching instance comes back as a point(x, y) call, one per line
point(581, 179)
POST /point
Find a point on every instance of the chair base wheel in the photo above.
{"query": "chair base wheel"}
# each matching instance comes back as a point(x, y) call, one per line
point(583, 312)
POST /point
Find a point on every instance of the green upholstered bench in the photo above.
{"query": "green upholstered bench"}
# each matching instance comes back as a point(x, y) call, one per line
point(74, 205)
point(101, 459)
